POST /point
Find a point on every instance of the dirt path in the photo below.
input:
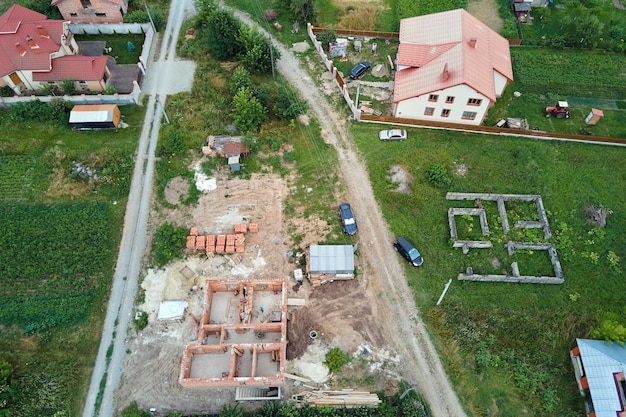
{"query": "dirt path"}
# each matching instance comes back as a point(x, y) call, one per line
point(385, 282)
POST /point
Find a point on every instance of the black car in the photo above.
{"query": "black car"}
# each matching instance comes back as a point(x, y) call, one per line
point(408, 251)
point(360, 70)
point(347, 218)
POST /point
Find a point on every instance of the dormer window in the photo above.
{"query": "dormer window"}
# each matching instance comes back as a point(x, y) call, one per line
point(85, 3)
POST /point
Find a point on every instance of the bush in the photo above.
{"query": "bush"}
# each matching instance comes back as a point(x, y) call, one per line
point(37, 110)
point(110, 90)
point(168, 244)
point(141, 16)
point(270, 15)
point(171, 142)
point(288, 105)
point(69, 87)
point(336, 359)
point(141, 320)
point(437, 174)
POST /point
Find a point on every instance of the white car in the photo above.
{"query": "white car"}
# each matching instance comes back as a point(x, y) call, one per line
point(392, 134)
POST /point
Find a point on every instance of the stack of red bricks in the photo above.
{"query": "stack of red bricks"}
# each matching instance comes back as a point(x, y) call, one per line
point(232, 243)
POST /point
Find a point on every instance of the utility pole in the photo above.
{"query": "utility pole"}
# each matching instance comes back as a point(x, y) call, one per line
point(444, 291)
point(167, 119)
point(271, 54)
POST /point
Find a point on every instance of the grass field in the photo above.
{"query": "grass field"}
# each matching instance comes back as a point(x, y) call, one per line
point(61, 234)
point(118, 45)
point(506, 345)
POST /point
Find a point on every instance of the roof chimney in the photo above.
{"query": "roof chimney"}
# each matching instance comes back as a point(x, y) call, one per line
point(31, 43)
point(472, 42)
point(445, 74)
point(43, 32)
point(20, 49)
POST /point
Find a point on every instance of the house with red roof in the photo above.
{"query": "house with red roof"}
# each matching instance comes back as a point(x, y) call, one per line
point(451, 67)
point(92, 11)
point(36, 52)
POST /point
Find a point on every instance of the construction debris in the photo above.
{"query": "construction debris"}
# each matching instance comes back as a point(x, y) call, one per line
point(344, 398)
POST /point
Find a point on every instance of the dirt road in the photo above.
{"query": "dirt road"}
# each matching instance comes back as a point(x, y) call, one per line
point(110, 359)
point(386, 284)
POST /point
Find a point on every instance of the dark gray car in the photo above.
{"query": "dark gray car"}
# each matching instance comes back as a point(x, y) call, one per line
point(360, 70)
point(408, 251)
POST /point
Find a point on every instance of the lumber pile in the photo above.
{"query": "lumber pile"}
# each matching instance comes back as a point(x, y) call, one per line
point(345, 398)
point(212, 244)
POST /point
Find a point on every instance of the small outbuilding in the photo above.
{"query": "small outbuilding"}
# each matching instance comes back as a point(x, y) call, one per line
point(330, 262)
point(95, 116)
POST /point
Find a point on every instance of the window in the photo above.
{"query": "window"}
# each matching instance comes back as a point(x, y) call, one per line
point(449, 99)
point(100, 14)
point(469, 115)
point(445, 112)
point(85, 3)
point(433, 97)
point(429, 111)
point(73, 14)
point(474, 102)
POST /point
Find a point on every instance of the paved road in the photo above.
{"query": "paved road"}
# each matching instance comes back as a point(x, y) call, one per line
point(166, 76)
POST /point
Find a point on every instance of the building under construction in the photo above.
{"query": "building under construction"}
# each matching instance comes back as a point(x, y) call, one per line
point(242, 336)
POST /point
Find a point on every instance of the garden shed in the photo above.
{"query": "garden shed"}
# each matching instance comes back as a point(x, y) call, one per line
point(327, 263)
point(95, 116)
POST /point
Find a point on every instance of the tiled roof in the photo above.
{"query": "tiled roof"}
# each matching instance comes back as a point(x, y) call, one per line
point(27, 39)
point(457, 41)
point(600, 361)
point(74, 67)
point(55, 2)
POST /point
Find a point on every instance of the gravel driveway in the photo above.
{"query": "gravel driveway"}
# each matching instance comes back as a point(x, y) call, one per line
point(386, 281)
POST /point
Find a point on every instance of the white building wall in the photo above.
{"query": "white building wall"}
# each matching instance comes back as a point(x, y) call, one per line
point(414, 108)
point(500, 83)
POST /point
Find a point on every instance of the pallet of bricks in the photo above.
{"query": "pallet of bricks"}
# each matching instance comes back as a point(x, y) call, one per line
point(212, 244)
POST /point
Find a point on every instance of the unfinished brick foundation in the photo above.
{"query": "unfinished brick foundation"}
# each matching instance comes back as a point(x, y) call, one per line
point(242, 336)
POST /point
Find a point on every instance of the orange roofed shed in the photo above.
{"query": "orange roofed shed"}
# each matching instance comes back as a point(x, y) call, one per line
point(95, 116)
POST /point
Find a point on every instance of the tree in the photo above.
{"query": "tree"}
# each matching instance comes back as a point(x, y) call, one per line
point(247, 111)
point(302, 9)
point(288, 105)
point(204, 9)
point(610, 330)
point(326, 38)
point(240, 78)
point(256, 51)
point(224, 28)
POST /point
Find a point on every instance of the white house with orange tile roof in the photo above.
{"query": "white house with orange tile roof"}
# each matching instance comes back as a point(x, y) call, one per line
point(36, 52)
point(92, 11)
point(450, 68)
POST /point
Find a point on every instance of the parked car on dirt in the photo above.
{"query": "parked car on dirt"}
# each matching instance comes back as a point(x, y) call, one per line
point(408, 251)
point(392, 134)
point(347, 219)
point(359, 70)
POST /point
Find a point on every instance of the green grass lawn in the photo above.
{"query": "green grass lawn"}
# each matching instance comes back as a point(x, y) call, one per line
point(585, 79)
point(506, 345)
point(58, 252)
point(119, 46)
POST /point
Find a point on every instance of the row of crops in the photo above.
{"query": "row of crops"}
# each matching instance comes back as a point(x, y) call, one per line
point(576, 73)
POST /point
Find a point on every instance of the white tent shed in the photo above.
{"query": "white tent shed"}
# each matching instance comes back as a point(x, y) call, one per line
point(330, 262)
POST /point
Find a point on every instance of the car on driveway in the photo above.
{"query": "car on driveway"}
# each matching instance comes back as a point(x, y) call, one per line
point(392, 134)
point(359, 70)
point(408, 251)
point(347, 219)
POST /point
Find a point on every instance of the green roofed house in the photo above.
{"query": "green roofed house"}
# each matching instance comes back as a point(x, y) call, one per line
point(600, 367)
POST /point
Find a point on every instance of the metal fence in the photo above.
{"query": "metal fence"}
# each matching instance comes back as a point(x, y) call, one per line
point(358, 115)
point(109, 28)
